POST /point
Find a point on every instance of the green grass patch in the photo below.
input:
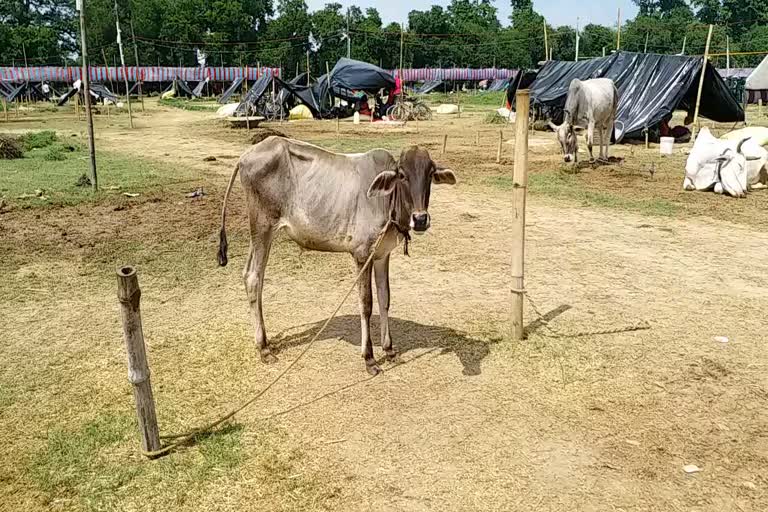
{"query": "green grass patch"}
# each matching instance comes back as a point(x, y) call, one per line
point(38, 140)
point(91, 466)
point(49, 176)
point(471, 99)
point(561, 185)
point(194, 105)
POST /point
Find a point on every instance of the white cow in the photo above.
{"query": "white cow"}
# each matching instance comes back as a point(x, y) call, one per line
point(591, 104)
point(725, 166)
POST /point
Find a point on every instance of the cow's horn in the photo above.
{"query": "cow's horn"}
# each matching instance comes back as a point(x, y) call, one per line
point(742, 141)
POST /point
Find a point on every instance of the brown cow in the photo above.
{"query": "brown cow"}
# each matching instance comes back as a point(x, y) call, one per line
point(333, 202)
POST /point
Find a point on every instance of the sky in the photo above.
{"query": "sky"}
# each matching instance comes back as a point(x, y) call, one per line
point(557, 12)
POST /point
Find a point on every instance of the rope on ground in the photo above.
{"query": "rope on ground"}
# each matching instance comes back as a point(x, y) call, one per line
point(186, 437)
point(551, 332)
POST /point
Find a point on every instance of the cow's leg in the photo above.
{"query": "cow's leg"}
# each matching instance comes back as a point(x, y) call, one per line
point(253, 275)
point(381, 270)
point(366, 307)
point(590, 139)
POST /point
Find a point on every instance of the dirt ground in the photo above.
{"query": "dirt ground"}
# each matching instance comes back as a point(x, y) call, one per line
point(470, 420)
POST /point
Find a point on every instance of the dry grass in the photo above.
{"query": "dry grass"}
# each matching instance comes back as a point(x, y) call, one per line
point(471, 421)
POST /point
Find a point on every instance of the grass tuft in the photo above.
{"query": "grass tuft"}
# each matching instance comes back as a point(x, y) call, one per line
point(38, 140)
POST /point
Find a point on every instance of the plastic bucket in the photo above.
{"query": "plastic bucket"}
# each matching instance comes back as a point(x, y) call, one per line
point(666, 145)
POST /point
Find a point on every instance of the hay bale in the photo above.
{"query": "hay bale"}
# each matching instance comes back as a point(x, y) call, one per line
point(10, 148)
point(262, 133)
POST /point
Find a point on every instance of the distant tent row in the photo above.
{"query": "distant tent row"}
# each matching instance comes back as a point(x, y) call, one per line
point(499, 85)
point(650, 86)
point(349, 80)
point(98, 91)
point(12, 92)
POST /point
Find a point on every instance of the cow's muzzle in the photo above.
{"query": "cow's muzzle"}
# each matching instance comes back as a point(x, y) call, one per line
point(567, 158)
point(419, 222)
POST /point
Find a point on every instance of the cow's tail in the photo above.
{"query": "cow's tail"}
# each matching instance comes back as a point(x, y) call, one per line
point(223, 233)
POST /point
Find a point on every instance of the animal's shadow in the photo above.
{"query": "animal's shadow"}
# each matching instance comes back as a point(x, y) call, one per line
point(406, 336)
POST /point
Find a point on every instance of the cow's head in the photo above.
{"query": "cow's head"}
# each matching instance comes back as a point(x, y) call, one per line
point(411, 183)
point(566, 135)
point(731, 177)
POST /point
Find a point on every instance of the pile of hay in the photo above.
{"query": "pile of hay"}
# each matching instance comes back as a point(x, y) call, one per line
point(10, 148)
point(263, 133)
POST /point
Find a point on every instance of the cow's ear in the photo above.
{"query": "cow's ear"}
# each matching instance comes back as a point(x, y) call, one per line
point(443, 176)
point(384, 183)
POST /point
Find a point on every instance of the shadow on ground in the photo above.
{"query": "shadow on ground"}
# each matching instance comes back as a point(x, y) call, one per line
point(406, 335)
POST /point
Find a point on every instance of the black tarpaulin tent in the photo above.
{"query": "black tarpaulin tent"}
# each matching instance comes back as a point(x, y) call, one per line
point(98, 91)
point(235, 86)
point(650, 87)
point(304, 94)
point(522, 80)
point(354, 75)
point(428, 86)
point(198, 90)
point(250, 102)
point(499, 85)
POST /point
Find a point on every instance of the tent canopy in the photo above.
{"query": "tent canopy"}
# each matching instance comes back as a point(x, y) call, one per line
point(758, 79)
point(360, 76)
point(650, 87)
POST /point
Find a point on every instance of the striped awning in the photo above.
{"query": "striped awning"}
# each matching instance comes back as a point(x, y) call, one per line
point(145, 73)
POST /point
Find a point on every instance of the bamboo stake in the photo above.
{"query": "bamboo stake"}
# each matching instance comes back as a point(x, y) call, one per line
point(5, 110)
point(138, 68)
point(85, 81)
point(129, 295)
point(445, 143)
point(701, 83)
point(546, 42)
point(501, 141)
point(618, 30)
point(338, 127)
point(519, 190)
point(122, 62)
point(760, 107)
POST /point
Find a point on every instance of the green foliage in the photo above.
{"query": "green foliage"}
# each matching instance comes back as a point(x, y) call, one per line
point(55, 153)
point(38, 140)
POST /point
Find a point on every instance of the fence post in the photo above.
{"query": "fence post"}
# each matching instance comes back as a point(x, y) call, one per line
point(519, 189)
point(501, 141)
point(445, 143)
point(129, 295)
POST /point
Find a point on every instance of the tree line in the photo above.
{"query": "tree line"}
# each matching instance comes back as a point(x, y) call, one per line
point(467, 33)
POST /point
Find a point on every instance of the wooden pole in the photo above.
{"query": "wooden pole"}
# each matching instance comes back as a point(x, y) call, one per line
point(519, 190)
point(727, 56)
point(338, 125)
point(501, 141)
point(458, 103)
point(77, 105)
point(445, 143)
point(307, 67)
point(26, 69)
point(618, 29)
point(546, 42)
point(136, 57)
point(685, 39)
point(701, 83)
point(122, 62)
point(760, 107)
point(106, 70)
point(129, 295)
point(86, 83)
point(645, 48)
point(5, 110)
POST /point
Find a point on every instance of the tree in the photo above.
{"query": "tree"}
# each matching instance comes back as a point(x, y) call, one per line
point(594, 38)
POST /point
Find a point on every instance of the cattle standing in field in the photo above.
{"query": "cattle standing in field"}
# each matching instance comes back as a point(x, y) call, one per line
point(591, 104)
point(336, 203)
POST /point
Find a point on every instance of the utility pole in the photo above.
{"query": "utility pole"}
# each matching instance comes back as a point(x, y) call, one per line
point(618, 29)
point(136, 57)
point(349, 38)
point(122, 61)
point(577, 40)
point(86, 83)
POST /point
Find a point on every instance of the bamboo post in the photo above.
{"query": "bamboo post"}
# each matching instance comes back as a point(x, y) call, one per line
point(618, 29)
point(338, 127)
point(647, 146)
point(77, 105)
point(445, 143)
point(5, 110)
point(129, 295)
point(701, 84)
point(760, 107)
point(519, 190)
point(458, 103)
point(16, 106)
point(501, 141)
point(546, 42)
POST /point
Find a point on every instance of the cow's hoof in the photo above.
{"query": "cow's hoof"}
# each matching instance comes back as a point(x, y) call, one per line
point(392, 356)
point(268, 357)
point(373, 369)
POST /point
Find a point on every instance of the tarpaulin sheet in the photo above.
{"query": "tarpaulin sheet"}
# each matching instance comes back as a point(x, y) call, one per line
point(305, 95)
point(360, 76)
point(650, 87)
point(428, 86)
point(499, 85)
point(232, 89)
point(254, 94)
